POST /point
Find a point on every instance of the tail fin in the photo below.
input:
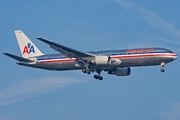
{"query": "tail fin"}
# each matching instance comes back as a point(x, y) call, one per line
point(27, 48)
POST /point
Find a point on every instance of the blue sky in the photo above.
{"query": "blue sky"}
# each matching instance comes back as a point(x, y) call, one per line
point(27, 93)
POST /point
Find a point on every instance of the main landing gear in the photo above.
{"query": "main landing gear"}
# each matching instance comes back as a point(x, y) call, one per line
point(163, 64)
point(98, 76)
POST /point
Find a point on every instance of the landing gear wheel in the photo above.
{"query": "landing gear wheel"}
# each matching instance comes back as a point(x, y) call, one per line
point(162, 70)
point(98, 77)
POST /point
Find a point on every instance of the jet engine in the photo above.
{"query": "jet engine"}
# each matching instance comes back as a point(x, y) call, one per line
point(124, 71)
point(105, 60)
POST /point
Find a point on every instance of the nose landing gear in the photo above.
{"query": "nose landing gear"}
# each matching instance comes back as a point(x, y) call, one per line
point(162, 70)
point(163, 64)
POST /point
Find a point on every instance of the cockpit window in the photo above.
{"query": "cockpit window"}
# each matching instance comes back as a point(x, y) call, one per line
point(168, 51)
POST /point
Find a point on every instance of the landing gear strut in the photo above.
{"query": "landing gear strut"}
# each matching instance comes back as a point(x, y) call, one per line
point(98, 76)
point(87, 71)
point(163, 64)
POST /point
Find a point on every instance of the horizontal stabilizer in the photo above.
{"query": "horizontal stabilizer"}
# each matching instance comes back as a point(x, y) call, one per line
point(18, 58)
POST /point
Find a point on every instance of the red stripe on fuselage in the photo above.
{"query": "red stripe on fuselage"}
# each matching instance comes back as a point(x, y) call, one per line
point(58, 60)
point(117, 56)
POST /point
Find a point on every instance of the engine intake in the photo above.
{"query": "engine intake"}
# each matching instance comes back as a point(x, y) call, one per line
point(125, 71)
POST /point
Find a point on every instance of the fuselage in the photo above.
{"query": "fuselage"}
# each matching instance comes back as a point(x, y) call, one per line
point(114, 62)
point(128, 57)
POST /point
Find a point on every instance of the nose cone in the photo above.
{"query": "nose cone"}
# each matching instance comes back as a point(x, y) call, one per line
point(175, 56)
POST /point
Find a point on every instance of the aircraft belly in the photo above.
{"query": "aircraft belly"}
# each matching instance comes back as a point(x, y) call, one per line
point(65, 66)
point(52, 65)
point(59, 66)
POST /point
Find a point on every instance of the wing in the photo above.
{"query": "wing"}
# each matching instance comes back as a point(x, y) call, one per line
point(81, 57)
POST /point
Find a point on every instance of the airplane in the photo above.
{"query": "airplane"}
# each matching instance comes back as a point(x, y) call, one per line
point(114, 62)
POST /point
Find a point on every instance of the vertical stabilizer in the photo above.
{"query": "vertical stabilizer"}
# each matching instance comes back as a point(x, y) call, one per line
point(27, 47)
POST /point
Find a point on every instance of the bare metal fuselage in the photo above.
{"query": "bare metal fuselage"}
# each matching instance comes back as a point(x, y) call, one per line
point(128, 59)
point(115, 62)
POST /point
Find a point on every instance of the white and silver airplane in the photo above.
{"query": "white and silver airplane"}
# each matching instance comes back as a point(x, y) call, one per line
point(115, 62)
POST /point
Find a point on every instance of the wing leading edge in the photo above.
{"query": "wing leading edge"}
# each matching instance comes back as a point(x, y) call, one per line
point(66, 51)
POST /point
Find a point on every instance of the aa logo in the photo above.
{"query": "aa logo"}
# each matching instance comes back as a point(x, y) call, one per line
point(28, 49)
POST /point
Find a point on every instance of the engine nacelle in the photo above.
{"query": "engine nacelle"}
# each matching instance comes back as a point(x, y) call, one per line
point(124, 71)
point(100, 60)
point(105, 60)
